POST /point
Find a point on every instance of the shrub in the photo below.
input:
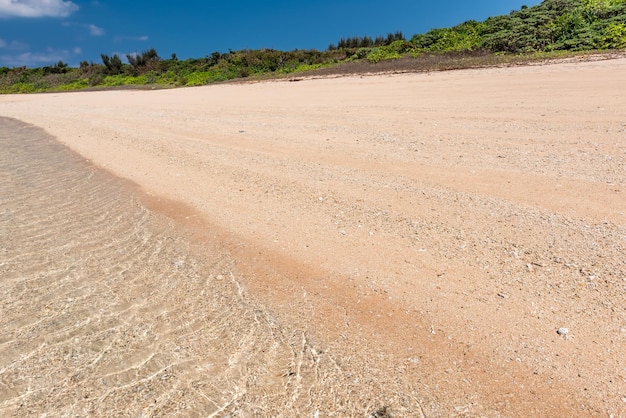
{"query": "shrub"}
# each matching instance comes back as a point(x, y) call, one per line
point(382, 53)
point(151, 77)
point(362, 53)
point(206, 77)
point(614, 36)
point(96, 79)
point(22, 88)
point(74, 85)
point(123, 80)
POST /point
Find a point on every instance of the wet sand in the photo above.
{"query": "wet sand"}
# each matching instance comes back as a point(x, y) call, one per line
point(107, 311)
point(334, 246)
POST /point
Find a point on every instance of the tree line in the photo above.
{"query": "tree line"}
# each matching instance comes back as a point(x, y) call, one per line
point(549, 26)
point(367, 42)
point(553, 25)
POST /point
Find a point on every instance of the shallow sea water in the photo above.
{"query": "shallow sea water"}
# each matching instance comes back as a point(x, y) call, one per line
point(104, 309)
point(107, 309)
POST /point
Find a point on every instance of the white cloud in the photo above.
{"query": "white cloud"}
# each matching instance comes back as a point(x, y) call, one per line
point(38, 59)
point(13, 45)
point(36, 8)
point(131, 38)
point(95, 30)
point(33, 59)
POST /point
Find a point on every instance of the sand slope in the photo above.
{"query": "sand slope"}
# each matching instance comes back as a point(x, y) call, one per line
point(428, 233)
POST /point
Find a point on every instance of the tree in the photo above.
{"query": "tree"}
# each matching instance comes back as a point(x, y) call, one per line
point(58, 68)
point(146, 61)
point(113, 65)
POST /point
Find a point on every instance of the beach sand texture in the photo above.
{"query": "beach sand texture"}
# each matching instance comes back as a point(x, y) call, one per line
point(328, 247)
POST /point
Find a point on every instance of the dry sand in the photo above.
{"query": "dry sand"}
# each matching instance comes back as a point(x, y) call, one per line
point(329, 247)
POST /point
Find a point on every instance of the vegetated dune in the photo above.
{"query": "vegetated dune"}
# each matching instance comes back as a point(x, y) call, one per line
point(395, 244)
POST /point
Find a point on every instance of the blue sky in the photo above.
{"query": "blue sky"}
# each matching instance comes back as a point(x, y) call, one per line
point(42, 32)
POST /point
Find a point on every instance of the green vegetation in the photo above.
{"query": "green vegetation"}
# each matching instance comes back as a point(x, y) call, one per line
point(148, 68)
point(552, 27)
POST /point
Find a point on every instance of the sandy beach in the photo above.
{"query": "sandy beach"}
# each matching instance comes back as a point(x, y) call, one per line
point(435, 244)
